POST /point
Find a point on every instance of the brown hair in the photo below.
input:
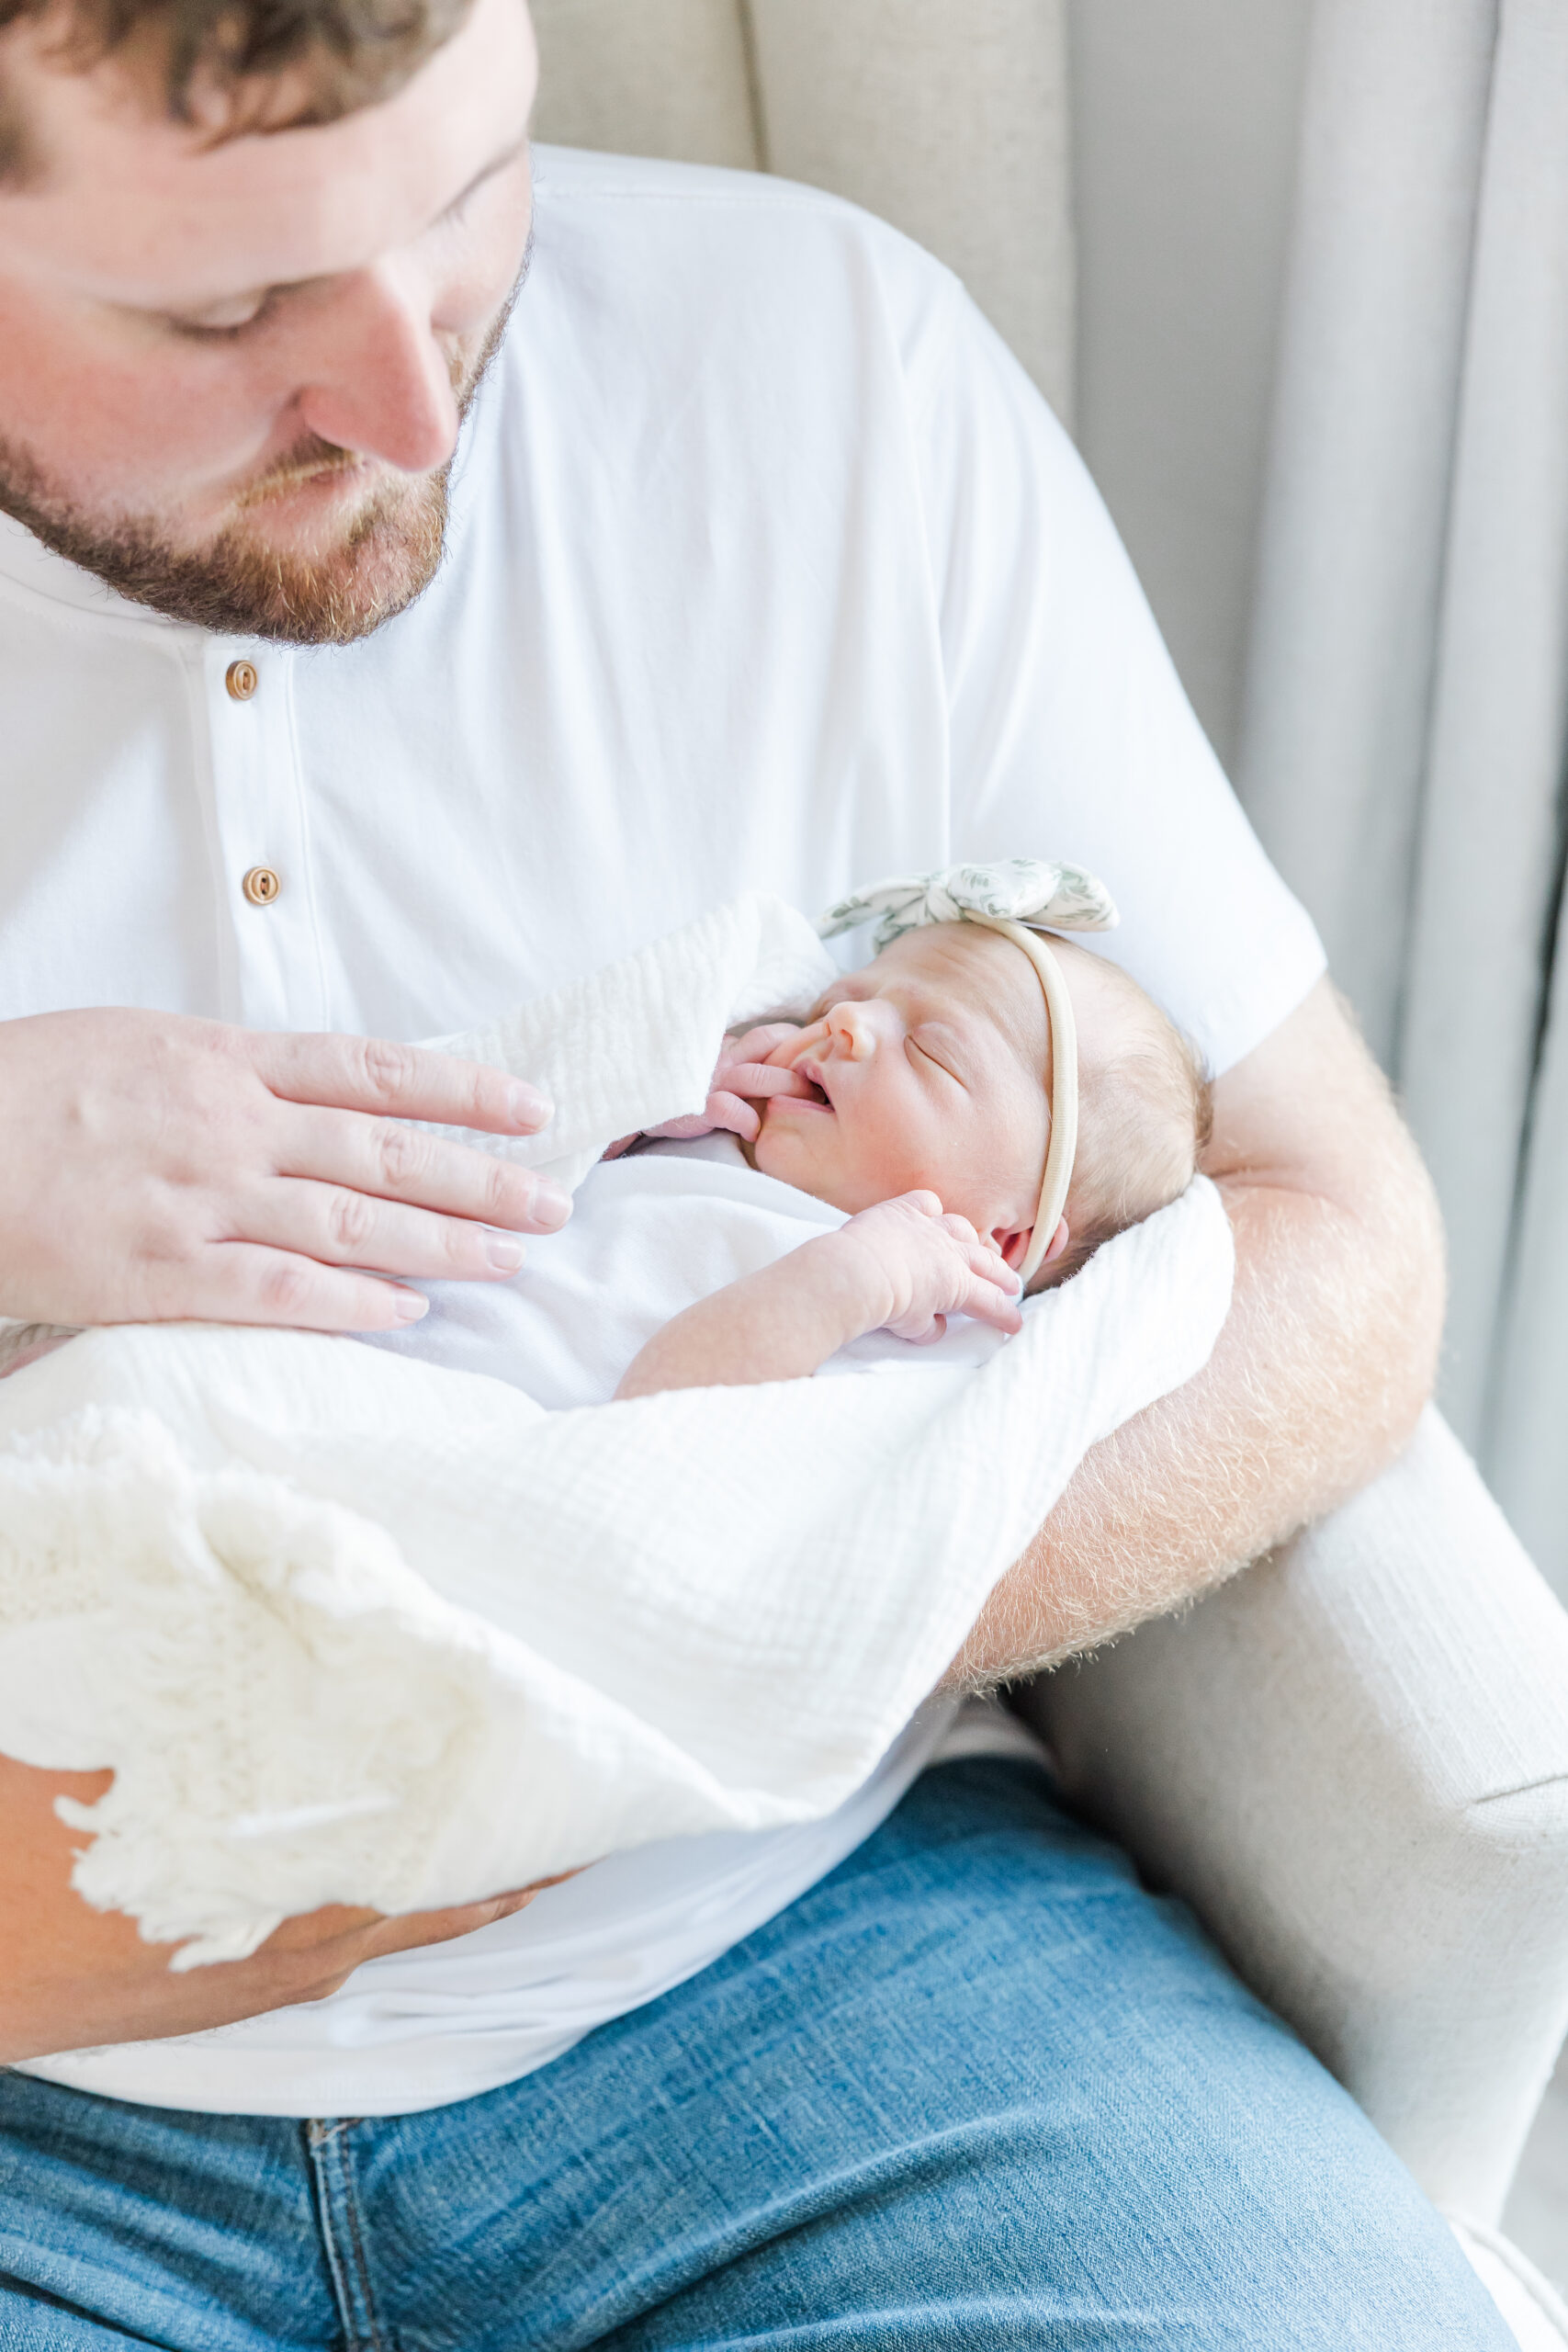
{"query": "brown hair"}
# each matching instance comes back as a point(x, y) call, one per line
point(1146, 1112)
point(349, 53)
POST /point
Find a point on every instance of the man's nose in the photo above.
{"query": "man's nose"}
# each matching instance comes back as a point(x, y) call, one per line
point(384, 386)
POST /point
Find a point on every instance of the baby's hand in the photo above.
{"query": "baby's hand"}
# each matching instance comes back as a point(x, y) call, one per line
point(924, 1266)
point(742, 1068)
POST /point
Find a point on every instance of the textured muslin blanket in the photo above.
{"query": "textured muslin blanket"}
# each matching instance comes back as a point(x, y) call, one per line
point(352, 1628)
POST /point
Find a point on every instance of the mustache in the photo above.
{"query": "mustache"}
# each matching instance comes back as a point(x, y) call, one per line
point(309, 461)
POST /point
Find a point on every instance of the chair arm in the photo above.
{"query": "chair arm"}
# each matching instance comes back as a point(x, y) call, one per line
point(1352, 1761)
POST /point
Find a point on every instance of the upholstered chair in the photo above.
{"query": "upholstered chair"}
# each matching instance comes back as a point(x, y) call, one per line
point(1351, 1760)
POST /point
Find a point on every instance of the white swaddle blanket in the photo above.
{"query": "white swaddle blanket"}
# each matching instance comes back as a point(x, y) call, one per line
point(353, 1628)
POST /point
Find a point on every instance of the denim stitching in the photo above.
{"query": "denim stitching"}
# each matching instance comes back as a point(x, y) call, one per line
point(348, 2265)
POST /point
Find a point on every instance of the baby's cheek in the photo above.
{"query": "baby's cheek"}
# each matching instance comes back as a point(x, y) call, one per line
point(886, 1152)
point(772, 1147)
point(797, 1155)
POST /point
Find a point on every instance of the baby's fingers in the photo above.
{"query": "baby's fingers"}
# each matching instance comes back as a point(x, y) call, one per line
point(922, 1204)
point(991, 1290)
point(919, 1328)
point(756, 1044)
point(993, 1301)
point(762, 1078)
point(982, 1259)
point(988, 1306)
point(727, 1110)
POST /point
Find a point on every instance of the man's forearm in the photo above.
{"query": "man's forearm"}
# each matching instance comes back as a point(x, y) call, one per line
point(72, 1978)
point(1317, 1380)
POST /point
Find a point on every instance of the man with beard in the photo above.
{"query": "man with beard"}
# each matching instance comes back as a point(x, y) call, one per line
point(391, 627)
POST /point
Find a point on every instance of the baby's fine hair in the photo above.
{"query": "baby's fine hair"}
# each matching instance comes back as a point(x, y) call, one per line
point(1144, 1117)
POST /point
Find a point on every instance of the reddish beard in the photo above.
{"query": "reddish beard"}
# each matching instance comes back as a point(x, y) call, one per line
point(240, 582)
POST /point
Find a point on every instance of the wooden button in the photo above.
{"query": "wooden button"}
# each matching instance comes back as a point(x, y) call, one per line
point(260, 885)
point(241, 681)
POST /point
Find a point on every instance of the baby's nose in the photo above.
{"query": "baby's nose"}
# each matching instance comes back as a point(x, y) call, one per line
point(854, 1029)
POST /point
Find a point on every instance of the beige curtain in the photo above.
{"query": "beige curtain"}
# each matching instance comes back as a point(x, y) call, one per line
point(1403, 740)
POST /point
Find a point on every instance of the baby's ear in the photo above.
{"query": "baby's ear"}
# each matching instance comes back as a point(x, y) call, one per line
point(1014, 1246)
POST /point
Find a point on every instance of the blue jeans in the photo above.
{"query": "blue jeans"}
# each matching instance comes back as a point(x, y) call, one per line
point(975, 2089)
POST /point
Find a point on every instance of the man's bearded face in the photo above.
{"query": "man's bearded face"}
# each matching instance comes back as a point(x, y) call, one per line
point(231, 373)
point(335, 583)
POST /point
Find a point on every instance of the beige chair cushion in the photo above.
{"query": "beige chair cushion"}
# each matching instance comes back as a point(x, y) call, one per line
point(947, 116)
point(647, 77)
point(1353, 1762)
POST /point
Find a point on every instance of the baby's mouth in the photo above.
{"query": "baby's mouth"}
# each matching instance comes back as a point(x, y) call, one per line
point(819, 1099)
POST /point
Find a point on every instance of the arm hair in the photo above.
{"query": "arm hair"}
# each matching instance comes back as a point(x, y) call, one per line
point(1320, 1373)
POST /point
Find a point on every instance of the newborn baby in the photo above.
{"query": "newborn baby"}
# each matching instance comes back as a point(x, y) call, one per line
point(911, 1122)
point(499, 1637)
point(921, 1104)
point(965, 1118)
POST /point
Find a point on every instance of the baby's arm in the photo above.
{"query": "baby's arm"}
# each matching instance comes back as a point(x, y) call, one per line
point(902, 1266)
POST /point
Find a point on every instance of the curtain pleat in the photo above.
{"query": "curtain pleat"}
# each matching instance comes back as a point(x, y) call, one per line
point(1526, 1456)
point(1525, 1453)
point(1487, 881)
point(1339, 667)
point(1408, 691)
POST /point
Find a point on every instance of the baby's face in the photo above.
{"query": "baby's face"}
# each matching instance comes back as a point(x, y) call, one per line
point(930, 1071)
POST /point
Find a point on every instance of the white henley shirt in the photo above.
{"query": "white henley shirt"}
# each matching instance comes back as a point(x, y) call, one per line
point(767, 567)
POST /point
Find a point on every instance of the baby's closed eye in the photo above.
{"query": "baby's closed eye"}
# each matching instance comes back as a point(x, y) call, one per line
point(937, 1053)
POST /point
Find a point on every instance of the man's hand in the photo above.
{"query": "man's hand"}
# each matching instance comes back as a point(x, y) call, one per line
point(72, 1977)
point(921, 1265)
point(157, 1168)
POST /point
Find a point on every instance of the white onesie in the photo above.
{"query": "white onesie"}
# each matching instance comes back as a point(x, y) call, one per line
point(650, 1233)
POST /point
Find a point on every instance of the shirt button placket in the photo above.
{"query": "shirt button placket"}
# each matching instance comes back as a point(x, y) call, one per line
point(259, 821)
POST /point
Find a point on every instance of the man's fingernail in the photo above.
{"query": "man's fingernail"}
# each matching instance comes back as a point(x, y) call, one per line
point(505, 1253)
point(411, 1306)
point(526, 1107)
point(551, 1205)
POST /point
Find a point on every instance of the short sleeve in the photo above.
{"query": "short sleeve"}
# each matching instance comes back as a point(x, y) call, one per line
point(1071, 734)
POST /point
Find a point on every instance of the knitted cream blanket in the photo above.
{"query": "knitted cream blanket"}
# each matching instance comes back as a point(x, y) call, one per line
point(349, 1628)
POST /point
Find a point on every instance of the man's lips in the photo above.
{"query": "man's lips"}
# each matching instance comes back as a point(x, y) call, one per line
point(326, 479)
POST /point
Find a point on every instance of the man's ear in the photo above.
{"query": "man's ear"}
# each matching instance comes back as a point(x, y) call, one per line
point(1014, 1246)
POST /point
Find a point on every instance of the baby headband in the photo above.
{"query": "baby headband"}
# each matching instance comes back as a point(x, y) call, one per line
point(1020, 897)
